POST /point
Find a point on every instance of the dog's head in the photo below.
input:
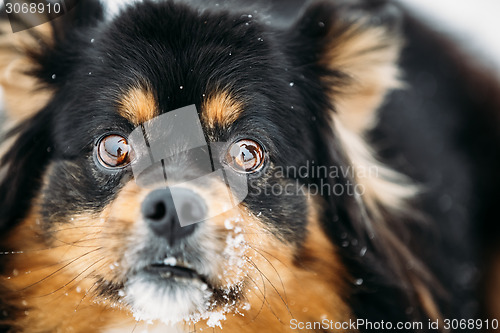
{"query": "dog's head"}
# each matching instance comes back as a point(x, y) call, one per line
point(183, 160)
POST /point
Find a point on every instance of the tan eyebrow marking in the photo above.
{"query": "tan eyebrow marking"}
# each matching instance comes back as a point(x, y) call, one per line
point(221, 109)
point(138, 104)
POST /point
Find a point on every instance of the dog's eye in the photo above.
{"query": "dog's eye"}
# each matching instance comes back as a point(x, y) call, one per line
point(114, 151)
point(245, 156)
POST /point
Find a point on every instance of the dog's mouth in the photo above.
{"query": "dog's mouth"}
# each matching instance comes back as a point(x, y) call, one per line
point(185, 283)
point(172, 268)
point(169, 289)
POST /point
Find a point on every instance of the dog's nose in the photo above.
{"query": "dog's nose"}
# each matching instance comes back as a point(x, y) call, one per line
point(160, 213)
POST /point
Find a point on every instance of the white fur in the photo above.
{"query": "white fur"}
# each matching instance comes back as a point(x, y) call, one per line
point(168, 304)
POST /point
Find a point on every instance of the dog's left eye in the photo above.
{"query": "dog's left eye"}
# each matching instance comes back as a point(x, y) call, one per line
point(114, 151)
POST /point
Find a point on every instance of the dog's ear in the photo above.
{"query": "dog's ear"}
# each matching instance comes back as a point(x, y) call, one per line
point(22, 166)
point(34, 64)
point(34, 61)
point(355, 46)
point(350, 48)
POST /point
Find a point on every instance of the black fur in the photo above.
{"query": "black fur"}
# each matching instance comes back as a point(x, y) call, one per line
point(451, 114)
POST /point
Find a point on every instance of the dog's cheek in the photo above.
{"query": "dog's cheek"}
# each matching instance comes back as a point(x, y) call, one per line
point(75, 187)
point(83, 247)
point(276, 278)
point(114, 231)
point(280, 204)
point(309, 276)
point(257, 241)
point(61, 273)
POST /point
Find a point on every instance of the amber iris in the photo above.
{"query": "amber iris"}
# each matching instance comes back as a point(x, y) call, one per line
point(245, 156)
point(114, 151)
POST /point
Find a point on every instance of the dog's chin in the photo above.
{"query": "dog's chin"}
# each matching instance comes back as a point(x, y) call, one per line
point(203, 281)
point(168, 299)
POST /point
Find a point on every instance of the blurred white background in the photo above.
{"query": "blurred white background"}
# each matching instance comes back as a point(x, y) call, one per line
point(475, 24)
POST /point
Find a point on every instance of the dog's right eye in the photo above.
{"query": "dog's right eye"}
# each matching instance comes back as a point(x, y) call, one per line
point(113, 151)
point(245, 156)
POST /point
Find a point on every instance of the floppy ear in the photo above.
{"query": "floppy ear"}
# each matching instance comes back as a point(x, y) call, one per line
point(33, 66)
point(23, 95)
point(33, 61)
point(357, 43)
point(350, 49)
point(21, 167)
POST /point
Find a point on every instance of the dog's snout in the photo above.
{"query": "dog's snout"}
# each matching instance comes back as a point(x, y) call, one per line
point(164, 217)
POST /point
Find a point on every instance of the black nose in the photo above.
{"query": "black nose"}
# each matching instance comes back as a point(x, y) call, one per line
point(160, 213)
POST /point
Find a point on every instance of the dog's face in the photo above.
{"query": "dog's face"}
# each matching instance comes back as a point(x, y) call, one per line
point(262, 102)
point(127, 228)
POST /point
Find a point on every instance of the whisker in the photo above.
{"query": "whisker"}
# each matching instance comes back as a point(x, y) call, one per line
point(275, 270)
point(135, 326)
point(263, 298)
point(77, 241)
point(58, 270)
point(39, 268)
point(73, 227)
point(70, 281)
point(36, 250)
point(272, 285)
point(255, 247)
point(85, 295)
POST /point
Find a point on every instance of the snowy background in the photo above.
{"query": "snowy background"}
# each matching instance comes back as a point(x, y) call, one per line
point(475, 24)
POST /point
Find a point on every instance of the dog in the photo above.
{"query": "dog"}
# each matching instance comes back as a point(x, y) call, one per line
point(185, 166)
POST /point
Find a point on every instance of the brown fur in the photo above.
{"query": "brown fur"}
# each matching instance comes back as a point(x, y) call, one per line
point(220, 109)
point(60, 273)
point(138, 104)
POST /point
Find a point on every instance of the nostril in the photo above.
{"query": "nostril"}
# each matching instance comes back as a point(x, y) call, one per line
point(155, 206)
point(156, 212)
